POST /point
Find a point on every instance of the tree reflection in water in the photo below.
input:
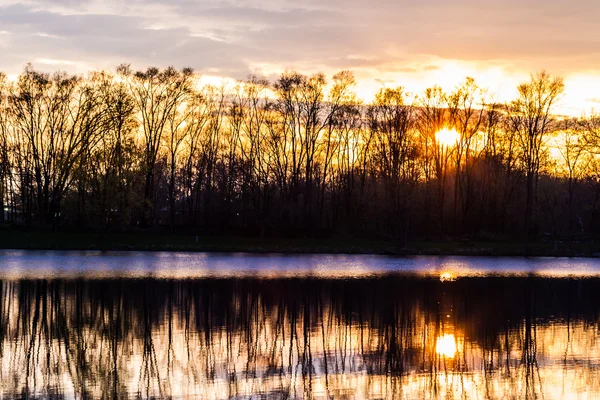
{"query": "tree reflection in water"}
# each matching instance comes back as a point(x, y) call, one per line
point(388, 337)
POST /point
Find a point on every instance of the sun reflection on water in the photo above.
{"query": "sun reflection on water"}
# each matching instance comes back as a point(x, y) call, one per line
point(240, 338)
point(445, 345)
point(447, 277)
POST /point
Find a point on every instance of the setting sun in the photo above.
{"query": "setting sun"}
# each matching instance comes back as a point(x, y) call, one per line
point(447, 137)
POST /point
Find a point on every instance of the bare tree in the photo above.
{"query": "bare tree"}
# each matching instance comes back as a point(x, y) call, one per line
point(435, 156)
point(5, 164)
point(158, 94)
point(300, 156)
point(531, 115)
point(113, 161)
point(466, 107)
point(573, 162)
point(60, 118)
point(392, 122)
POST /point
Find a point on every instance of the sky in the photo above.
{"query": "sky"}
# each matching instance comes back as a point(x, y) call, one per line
point(386, 43)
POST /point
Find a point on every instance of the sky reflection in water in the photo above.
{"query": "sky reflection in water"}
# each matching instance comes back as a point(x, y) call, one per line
point(411, 328)
point(19, 264)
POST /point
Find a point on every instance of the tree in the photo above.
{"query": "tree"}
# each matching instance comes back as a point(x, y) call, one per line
point(531, 115)
point(466, 107)
point(434, 156)
point(60, 118)
point(5, 167)
point(573, 162)
point(301, 156)
point(114, 162)
point(157, 94)
point(248, 118)
point(392, 122)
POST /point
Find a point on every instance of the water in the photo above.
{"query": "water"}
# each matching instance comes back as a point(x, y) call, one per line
point(182, 325)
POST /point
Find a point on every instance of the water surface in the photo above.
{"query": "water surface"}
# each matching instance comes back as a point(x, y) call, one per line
point(184, 325)
point(18, 264)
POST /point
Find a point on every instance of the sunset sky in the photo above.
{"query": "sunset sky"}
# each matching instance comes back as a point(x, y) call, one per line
point(412, 43)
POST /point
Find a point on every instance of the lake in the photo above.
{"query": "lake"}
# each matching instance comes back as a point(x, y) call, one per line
point(238, 326)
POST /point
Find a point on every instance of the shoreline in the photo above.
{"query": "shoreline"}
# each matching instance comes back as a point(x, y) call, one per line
point(35, 240)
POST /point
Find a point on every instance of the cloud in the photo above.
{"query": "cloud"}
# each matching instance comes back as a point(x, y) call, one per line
point(105, 41)
point(379, 39)
point(286, 32)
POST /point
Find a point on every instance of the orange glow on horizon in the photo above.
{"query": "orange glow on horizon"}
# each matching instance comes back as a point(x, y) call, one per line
point(499, 79)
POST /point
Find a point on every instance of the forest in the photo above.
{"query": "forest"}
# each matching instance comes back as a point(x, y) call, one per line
point(137, 151)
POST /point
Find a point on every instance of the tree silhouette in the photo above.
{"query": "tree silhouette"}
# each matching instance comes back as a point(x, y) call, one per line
point(154, 150)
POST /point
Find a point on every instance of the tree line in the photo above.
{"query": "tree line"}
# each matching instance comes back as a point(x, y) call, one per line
point(301, 156)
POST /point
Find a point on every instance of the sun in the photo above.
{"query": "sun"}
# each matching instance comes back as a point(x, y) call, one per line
point(447, 137)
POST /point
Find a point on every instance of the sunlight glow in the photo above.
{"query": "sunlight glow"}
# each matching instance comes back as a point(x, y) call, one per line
point(216, 81)
point(445, 346)
point(447, 137)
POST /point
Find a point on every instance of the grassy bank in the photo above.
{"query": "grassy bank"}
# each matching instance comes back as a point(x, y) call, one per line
point(153, 242)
